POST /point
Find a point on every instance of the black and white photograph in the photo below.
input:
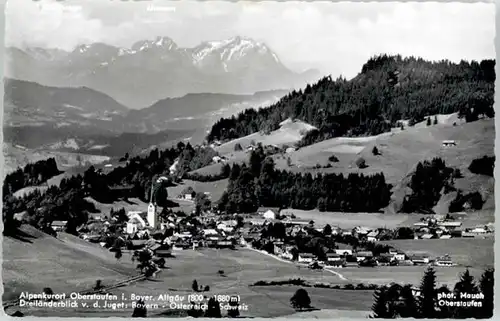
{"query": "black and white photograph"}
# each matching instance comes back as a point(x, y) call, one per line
point(217, 159)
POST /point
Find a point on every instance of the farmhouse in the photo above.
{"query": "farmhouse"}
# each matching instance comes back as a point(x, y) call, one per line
point(363, 255)
point(384, 259)
point(400, 256)
point(224, 243)
point(450, 224)
point(21, 216)
point(343, 249)
point(448, 143)
point(224, 227)
point(268, 213)
point(136, 221)
point(420, 259)
point(59, 225)
point(257, 221)
point(334, 259)
point(306, 257)
point(372, 236)
point(479, 230)
point(218, 159)
point(444, 261)
point(125, 191)
point(427, 236)
point(345, 233)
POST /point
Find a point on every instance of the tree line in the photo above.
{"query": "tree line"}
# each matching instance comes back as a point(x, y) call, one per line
point(388, 89)
point(260, 184)
point(32, 174)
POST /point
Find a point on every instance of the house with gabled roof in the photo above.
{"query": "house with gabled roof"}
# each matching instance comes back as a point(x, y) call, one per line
point(306, 257)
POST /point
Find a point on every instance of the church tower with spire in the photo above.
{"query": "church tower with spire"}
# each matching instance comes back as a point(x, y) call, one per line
point(152, 217)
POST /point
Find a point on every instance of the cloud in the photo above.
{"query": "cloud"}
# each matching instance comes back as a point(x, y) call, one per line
point(334, 37)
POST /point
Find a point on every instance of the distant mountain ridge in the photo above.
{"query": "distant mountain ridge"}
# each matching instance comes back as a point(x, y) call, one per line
point(151, 70)
point(36, 116)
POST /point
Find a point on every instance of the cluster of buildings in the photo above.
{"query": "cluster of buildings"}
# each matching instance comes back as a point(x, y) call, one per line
point(180, 232)
point(441, 227)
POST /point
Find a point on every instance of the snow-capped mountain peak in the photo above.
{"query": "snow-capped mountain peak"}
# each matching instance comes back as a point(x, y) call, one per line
point(159, 42)
point(231, 49)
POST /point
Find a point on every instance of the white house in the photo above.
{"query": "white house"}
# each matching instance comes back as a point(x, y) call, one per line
point(420, 259)
point(224, 227)
point(400, 256)
point(479, 230)
point(59, 225)
point(372, 236)
point(363, 255)
point(343, 250)
point(269, 214)
point(334, 259)
point(210, 232)
point(306, 257)
point(135, 222)
point(447, 143)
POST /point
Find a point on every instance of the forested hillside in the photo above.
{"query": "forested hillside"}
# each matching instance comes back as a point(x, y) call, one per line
point(388, 89)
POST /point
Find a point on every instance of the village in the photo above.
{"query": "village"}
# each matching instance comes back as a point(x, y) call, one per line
point(272, 231)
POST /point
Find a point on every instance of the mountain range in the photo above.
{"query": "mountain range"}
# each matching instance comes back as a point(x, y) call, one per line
point(80, 119)
point(151, 70)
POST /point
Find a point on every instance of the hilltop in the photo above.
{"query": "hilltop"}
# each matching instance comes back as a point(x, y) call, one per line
point(388, 89)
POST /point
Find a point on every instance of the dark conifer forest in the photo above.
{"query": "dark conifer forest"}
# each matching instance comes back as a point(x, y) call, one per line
point(260, 184)
point(388, 89)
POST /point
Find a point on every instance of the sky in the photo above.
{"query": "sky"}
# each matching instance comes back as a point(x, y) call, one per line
point(336, 38)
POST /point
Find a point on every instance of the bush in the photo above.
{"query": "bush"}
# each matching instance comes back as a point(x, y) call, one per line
point(375, 151)
point(48, 291)
point(206, 288)
point(474, 201)
point(361, 163)
point(238, 147)
point(349, 287)
point(333, 159)
point(483, 166)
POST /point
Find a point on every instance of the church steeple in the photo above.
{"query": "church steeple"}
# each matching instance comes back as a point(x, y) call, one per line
point(151, 198)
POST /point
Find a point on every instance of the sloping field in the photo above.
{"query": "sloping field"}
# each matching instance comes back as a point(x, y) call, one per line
point(289, 133)
point(133, 204)
point(241, 268)
point(401, 150)
point(215, 188)
point(35, 261)
point(474, 252)
point(387, 220)
point(351, 220)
